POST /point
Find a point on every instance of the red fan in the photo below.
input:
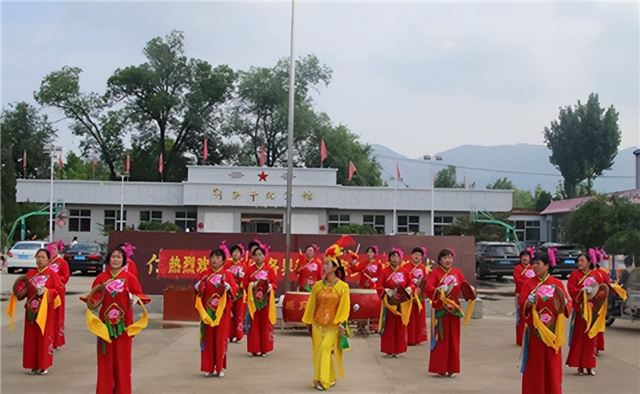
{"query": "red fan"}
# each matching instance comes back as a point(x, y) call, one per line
point(559, 301)
point(599, 297)
point(21, 287)
point(95, 297)
point(399, 296)
point(468, 292)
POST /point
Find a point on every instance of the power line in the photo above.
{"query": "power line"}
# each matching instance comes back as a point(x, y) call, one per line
point(496, 171)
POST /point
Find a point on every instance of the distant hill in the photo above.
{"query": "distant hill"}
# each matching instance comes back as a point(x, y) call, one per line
point(525, 165)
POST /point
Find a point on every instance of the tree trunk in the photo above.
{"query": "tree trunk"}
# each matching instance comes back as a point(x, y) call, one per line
point(570, 189)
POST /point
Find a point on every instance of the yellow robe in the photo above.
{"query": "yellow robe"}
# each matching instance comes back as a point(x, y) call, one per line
point(327, 307)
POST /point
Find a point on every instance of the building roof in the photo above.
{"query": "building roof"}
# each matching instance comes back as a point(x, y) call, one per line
point(523, 211)
point(568, 205)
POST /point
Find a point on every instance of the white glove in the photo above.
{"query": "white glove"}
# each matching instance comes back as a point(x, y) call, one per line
point(227, 286)
point(531, 299)
point(134, 299)
point(389, 292)
point(241, 274)
point(197, 286)
point(442, 288)
point(40, 290)
point(269, 288)
point(409, 290)
point(374, 280)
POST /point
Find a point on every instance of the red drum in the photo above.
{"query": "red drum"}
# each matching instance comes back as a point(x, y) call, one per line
point(293, 306)
point(365, 304)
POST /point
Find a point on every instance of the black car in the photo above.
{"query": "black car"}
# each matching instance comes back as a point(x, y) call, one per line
point(85, 257)
point(566, 257)
point(496, 259)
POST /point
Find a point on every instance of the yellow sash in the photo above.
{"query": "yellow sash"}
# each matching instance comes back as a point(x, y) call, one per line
point(96, 326)
point(622, 293)
point(204, 316)
point(251, 305)
point(41, 319)
point(405, 309)
point(551, 339)
point(141, 323)
point(11, 311)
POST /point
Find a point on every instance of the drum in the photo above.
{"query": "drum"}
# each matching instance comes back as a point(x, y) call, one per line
point(293, 306)
point(365, 304)
point(21, 287)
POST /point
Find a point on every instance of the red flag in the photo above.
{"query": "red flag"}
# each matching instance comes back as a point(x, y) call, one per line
point(127, 164)
point(160, 164)
point(205, 150)
point(323, 151)
point(398, 176)
point(24, 164)
point(60, 164)
point(263, 156)
point(352, 170)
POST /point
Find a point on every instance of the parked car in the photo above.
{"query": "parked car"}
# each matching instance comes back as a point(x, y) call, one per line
point(86, 257)
point(22, 256)
point(566, 257)
point(496, 258)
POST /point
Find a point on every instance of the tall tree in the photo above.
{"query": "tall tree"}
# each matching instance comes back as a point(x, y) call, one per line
point(584, 141)
point(501, 184)
point(446, 178)
point(542, 198)
point(172, 97)
point(75, 167)
point(260, 116)
point(342, 146)
point(24, 128)
point(101, 127)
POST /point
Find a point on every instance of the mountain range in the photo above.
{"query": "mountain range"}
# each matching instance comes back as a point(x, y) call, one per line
point(523, 164)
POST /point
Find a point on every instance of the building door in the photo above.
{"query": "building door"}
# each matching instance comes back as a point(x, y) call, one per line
point(261, 223)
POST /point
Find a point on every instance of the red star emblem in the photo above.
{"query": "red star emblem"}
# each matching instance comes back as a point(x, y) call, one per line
point(262, 176)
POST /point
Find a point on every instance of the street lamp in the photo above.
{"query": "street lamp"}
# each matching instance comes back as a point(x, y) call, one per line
point(54, 151)
point(433, 160)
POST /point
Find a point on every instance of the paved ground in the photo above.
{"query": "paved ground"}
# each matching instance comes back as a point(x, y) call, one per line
point(166, 360)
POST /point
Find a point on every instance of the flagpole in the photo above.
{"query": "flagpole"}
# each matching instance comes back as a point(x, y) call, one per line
point(122, 202)
point(292, 78)
point(395, 206)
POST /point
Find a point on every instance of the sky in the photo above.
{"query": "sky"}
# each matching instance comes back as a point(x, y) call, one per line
point(417, 77)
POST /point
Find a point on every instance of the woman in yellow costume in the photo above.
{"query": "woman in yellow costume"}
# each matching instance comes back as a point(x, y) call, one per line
point(327, 311)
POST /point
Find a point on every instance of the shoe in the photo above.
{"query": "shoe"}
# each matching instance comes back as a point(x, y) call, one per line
point(442, 375)
point(450, 375)
point(33, 372)
point(221, 374)
point(262, 354)
point(43, 372)
point(318, 386)
point(580, 371)
point(591, 372)
point(255, 354)
point(395, 355)
point(389, 355)
point(210, 374)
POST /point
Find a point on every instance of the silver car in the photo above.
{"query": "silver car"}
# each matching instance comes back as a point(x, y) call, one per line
point(22, 255)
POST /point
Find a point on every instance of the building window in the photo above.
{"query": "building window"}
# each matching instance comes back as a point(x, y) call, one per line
point(408, 224)
point(441, 224)
point(337, 220)
point(527, 230)
point(80, 220)
point(112, 219)
point(186, 220)
point(151, 216)
point(376, 222)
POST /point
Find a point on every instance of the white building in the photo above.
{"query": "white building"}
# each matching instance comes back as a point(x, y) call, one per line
point(252, 199)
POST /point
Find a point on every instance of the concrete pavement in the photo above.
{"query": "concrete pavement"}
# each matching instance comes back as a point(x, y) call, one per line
point(166, 360)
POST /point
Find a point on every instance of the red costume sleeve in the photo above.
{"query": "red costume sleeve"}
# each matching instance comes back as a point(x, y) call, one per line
point(272, 278)
point(228, 278)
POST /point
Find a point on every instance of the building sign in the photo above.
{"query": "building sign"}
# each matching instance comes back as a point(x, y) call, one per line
point(253, 195)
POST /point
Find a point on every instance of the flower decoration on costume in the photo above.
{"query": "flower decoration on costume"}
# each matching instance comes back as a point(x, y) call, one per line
point(39, 281)
point(530, 274)
point(115, 286)
point(546, 318)
point(546, 291)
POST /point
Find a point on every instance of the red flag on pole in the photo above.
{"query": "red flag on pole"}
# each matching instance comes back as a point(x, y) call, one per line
point(398, 176)
point(263, 156)
point(24, 164)
point(323, 151)
point(127, 164)
point(352, 170)
point(160, 164)
point(205, 150)
point(60, 164)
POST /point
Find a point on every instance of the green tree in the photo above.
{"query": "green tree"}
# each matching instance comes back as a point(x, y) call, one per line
point(342, 146)
point(602, 219)
point(501, 184)
point(481, 231)
point(75, 167)
point(523, 199)
point(584, 141)
point(100, 127)
point(353, 229)
point(260, 115)
point(145, 162)
point(173, 97)
point(446, 178)
point(542, 198)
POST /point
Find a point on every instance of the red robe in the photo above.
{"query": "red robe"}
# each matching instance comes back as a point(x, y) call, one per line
point(582, 350)
point(60, 266)
point(604, 277)
point(214, 340)
point(445, 330)
point(260, 333)
point(116, 311)
point(37, 348)
point(370, 272)
point(417, 328)
point(394, 334)
point(542, 365)
point(309, 272)
point(521, 275)
point(239, 306)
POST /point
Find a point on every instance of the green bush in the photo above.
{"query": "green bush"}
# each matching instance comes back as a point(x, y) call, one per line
point(157, 226)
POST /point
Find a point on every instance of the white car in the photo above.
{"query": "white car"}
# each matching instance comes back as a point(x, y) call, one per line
point(23, 255)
